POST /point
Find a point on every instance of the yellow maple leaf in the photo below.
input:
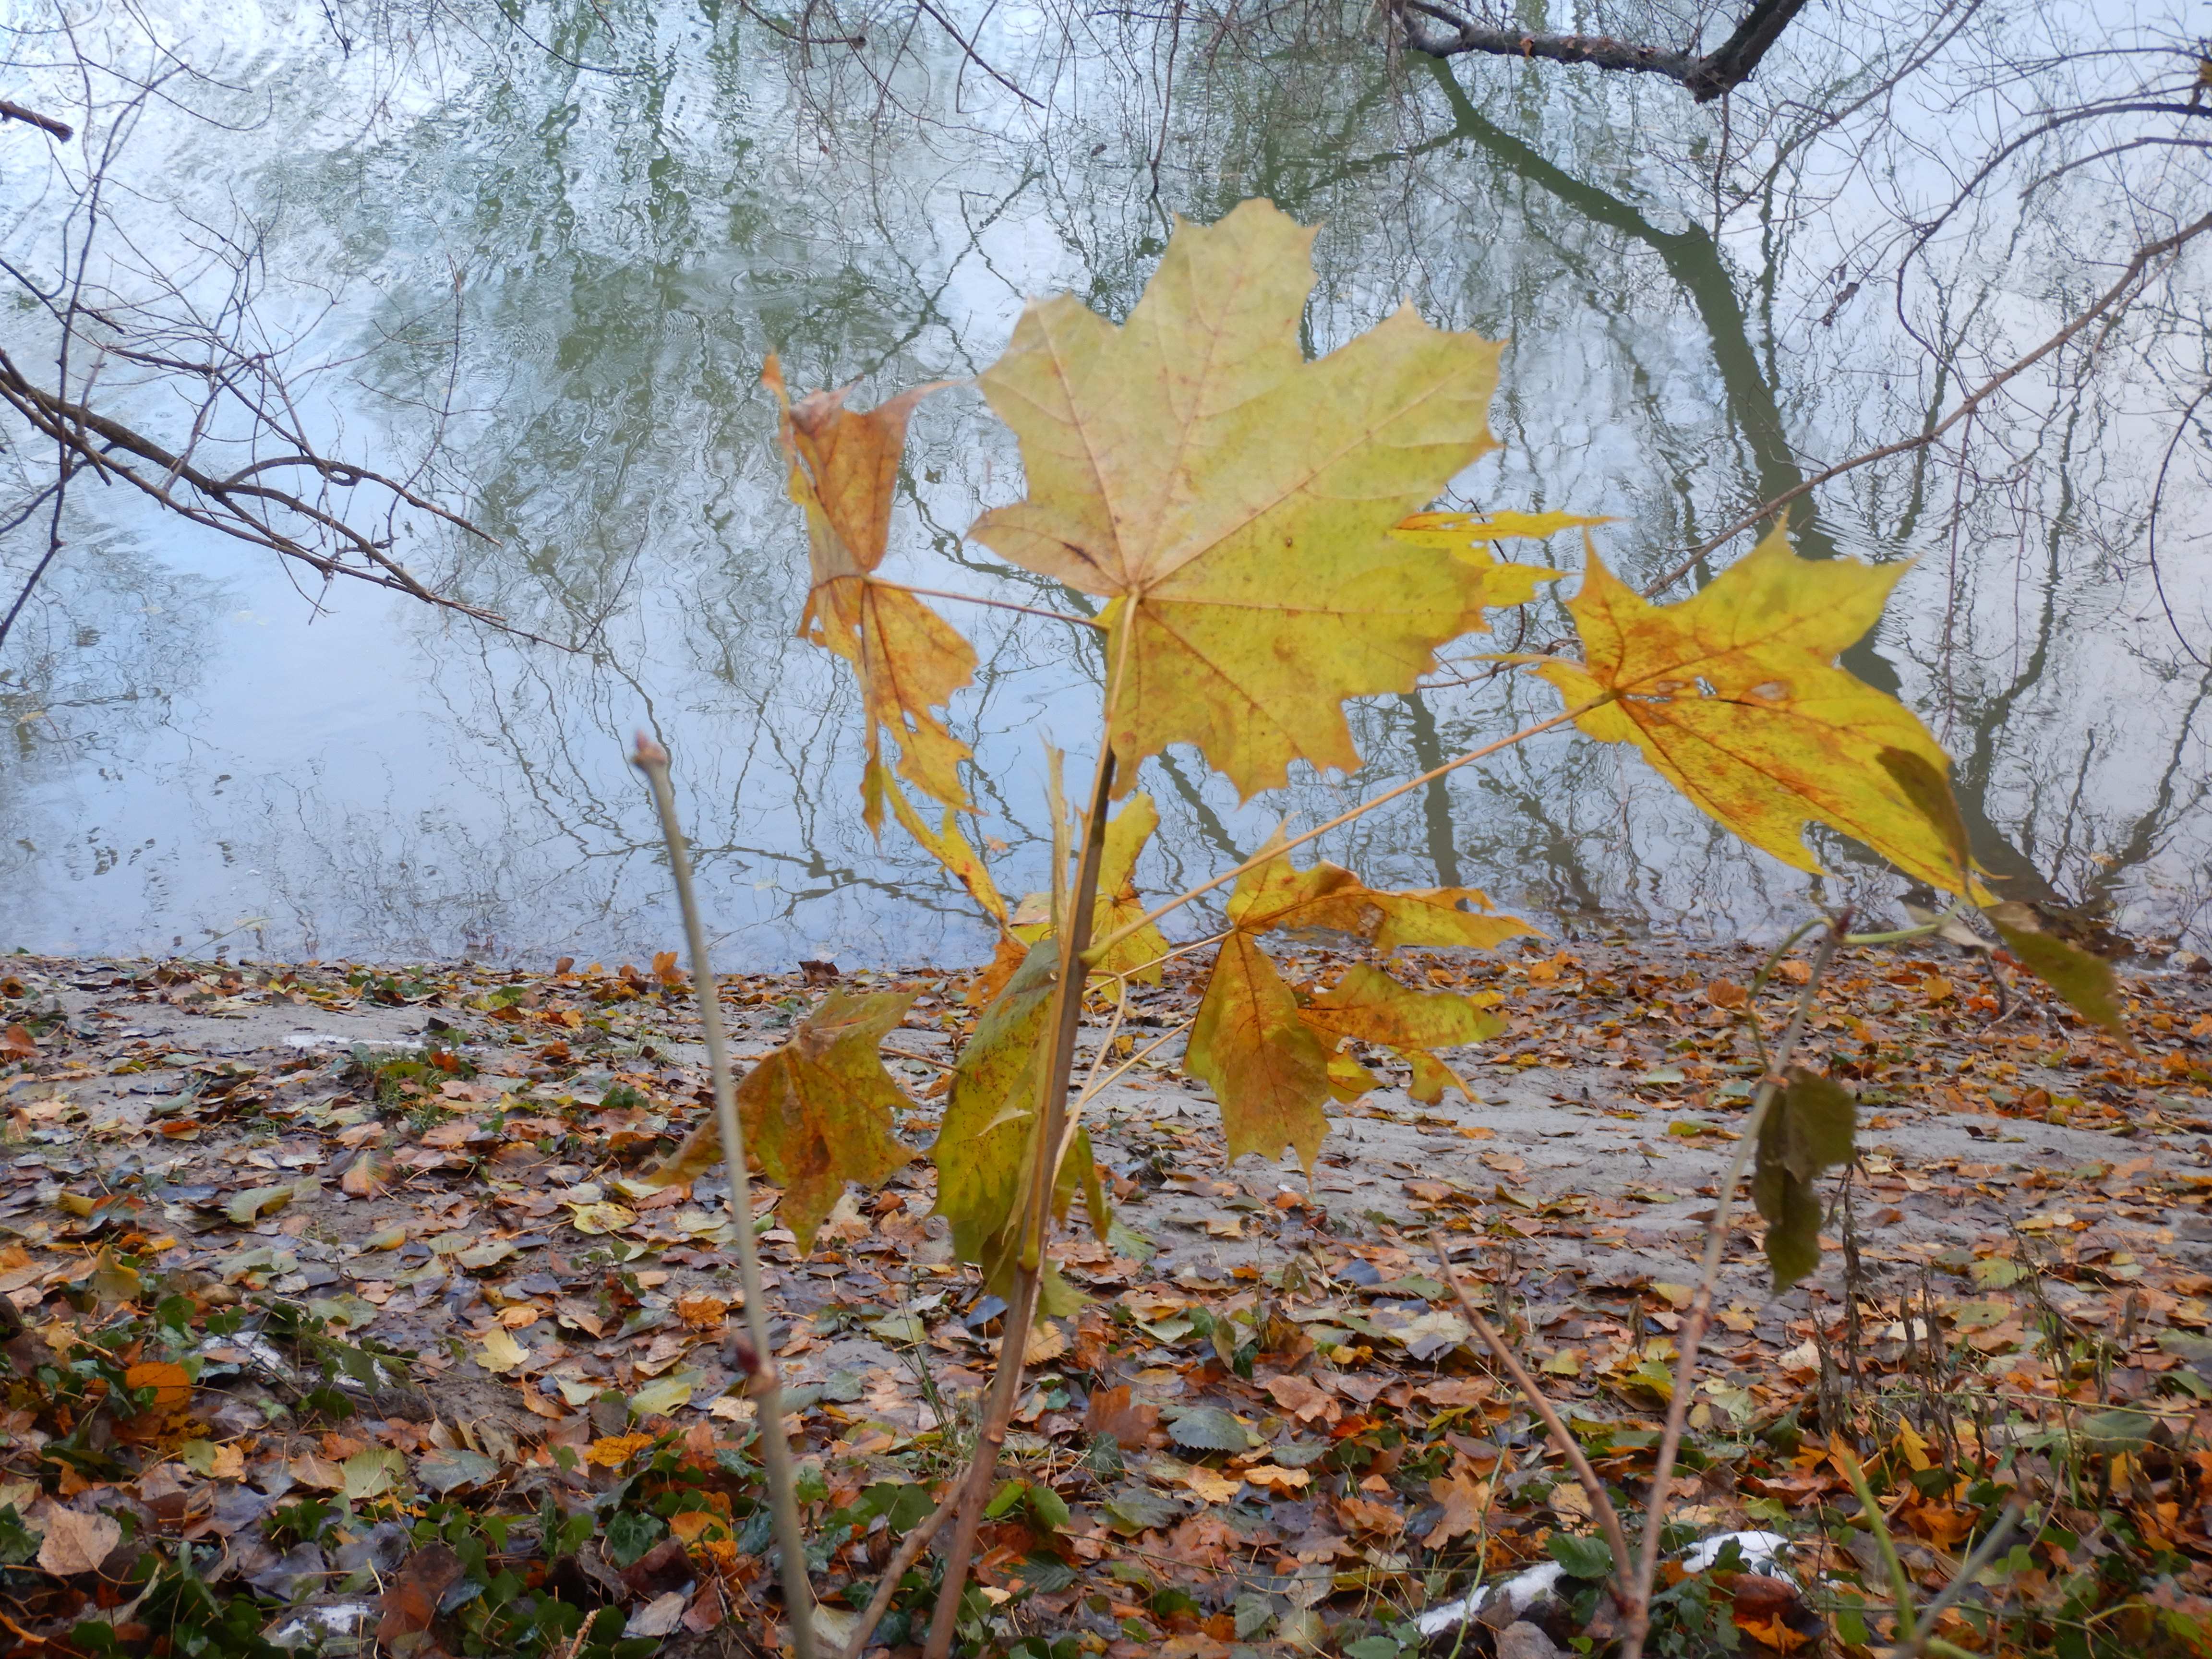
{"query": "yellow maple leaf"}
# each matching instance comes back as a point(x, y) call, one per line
point(815, 1113)
point(1368, 1006)
point(1270, 1063)
point(1275, 895)
point(1236, 501)
point(1735, 698)
point(910, 660)
point(947, 845)
point(1118, 904)
point(1468, 536)
point(1267, 1067)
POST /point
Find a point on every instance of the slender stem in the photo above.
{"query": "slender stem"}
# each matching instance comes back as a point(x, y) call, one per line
point(1900, 1582)
point(887, 1587)
point(995, 604)
point(1134, 1060)
point(1692, 1333)
point(1609, 1518)
point(768, 1394)
point(1029, 1263)
point(1993, 1542)
point(1338, 823)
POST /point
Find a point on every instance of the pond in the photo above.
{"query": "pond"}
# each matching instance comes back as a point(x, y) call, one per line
point(543, 262)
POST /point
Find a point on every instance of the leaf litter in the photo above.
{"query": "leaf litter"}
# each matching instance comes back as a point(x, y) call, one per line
point(352, 1312)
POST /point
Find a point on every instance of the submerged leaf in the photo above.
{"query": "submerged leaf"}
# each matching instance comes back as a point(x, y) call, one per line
point(1735, 698)
point(815, 1113)
point(843, 465)
point(1236, 501)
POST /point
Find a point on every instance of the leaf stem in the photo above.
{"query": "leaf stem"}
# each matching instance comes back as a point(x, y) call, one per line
point(1338, 823)
point(768, 1394)
point(1609, 1518)
point(1900, 1583)
point(995, 604)
point(1692, 1333)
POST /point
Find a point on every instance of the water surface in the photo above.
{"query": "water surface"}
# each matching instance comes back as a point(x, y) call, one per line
point(561, 284)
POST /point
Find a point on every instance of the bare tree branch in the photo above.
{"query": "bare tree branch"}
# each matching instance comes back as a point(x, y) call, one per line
point(61, 130)
point(1705, 75)
point(1974, 400)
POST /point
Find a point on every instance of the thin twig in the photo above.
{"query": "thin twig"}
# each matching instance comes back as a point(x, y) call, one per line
point(1693, 1332)
point(910, 1552)
point(1609, 1518)
point(975, 58)
point(1337, 822)
point(767, 1408)
point(1974, 400)
point(996, 605)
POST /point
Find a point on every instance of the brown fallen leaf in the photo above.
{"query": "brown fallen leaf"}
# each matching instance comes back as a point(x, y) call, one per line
point(1113, 1411)
point(77, 1542)
point(369, 1176)
point(1466, 1500)
point(1304, 1399)
point(412, 1601)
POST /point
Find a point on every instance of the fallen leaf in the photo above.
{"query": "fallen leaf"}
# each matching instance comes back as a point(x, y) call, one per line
point(77, 1542)
point(371, 1472)
point(613, 1451)
point(501, 1353)
point(172, 1383)
point(1304, 1399)
point(1117, 1413)
point(412, 1602)
point(1214, 1486)
point(601, 1218)
point(1277, 1480)
point(658, 1617)
point(369, 1176)
point(1465, 1501)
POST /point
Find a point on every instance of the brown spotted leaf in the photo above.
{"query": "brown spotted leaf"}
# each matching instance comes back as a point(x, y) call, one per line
point(1735, 698)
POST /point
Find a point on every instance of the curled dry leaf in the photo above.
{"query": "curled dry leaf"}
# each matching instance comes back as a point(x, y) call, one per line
point(1271, 1064)
point(817, 1112)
